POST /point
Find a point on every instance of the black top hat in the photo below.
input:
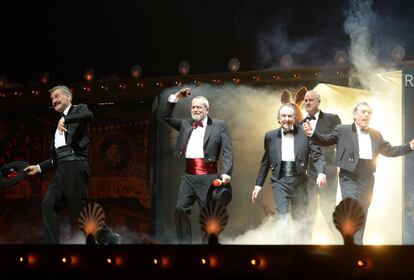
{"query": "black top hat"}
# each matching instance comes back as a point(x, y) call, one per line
point(220, 194)
point(12, 173)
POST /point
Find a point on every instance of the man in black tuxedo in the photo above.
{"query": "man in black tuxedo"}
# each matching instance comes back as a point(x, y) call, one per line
point(323, 123)
point(357, 149)
point(200, 140)
point(69, 149)
point(287, 152)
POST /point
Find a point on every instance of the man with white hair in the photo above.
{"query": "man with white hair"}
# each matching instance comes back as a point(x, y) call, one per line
point(324, 123)
point(201, 140)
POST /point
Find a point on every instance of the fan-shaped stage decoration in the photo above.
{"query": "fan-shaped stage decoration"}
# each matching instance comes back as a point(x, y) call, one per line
point(348, 218)
point(213, 220)
point(91, 221)
point(296, 100)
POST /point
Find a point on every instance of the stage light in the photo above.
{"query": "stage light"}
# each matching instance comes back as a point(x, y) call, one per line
point(210, 262)
point(110, 261)
point(255, 262)
point(233, 65)
point(27, 260)
point(361, 263)
point(161, 261)
point(236, 80)
point(205, 261)
point(286, 61)
point(184, 68)
point(398, 54)
point(136, 71)
point(89, 75)
point(44, 78)
point(87, 88)
point(66, 260)
point(22, 260)
point(341, 57)
point(276, 77)
point(105, 87)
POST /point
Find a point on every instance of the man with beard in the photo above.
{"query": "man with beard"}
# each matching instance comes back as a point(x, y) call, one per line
point(200, 140)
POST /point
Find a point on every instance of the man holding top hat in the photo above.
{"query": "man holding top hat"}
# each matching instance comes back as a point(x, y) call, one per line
point(201, 140)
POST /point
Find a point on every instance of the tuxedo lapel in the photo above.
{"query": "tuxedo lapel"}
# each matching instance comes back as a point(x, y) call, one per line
point(278, 141)
point(319, 121)
point(354, 137)
point(209, 129)
point(66, 125)
point(375, 143)
point(296, 140)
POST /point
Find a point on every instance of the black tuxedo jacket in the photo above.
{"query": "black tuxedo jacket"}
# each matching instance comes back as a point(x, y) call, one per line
point(326, 123)
point(77, 122)
point(347, 149)
point(272, 157)
point(216, 138)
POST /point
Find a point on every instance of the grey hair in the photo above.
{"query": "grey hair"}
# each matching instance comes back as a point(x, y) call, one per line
point(203, 100)
point(318, 96)
point(359, 104)
point(63, 88)
point(289, 105)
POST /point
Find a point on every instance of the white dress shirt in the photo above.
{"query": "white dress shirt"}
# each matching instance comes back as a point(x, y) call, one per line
point(60, 139)
point(364, 144)
point(315, 121)
point(288, 148)
point(195, 144)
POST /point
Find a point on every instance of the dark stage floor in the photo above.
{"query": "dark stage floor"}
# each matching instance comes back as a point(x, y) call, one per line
point(207, 261)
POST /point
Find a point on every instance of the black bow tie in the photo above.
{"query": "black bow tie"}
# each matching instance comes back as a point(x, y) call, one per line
point(196, 124)
point(311, 118)
point(288, 132)
point(364, 130)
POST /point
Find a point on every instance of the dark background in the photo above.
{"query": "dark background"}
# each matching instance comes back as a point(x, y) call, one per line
point(66, 37)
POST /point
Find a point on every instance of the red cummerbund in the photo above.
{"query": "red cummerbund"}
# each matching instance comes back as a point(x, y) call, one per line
point(199, 166)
